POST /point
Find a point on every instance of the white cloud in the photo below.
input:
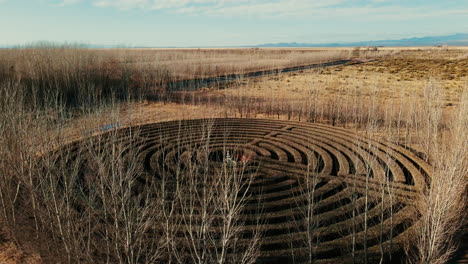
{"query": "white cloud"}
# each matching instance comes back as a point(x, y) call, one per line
point(264, 8)
point(122, 4)
point(234, 7)
point(230, 8)
point(312, 9)
point(319, 10)
point(69, 2)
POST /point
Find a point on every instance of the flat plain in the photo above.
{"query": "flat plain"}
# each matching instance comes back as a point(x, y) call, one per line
point(360, 162)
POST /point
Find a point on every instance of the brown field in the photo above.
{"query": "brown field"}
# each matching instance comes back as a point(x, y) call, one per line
point(177, 64)
point(356, 163)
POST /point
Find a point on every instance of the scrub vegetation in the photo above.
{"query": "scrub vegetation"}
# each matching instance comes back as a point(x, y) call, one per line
point(361, 162)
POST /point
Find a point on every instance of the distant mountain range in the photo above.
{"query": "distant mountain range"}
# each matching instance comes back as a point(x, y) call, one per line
point(459, 39)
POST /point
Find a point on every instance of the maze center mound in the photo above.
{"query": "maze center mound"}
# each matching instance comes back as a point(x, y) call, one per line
point(357, 184)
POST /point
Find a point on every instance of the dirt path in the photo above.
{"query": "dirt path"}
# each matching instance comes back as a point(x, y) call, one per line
point(194, 84)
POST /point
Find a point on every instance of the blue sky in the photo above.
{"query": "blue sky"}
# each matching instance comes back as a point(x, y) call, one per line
point(226, 22)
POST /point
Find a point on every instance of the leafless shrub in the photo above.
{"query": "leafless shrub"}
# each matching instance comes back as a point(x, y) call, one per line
point(87, 202)
point(443, 206)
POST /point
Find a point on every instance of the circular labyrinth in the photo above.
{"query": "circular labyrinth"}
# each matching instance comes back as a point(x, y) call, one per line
point(362, 196)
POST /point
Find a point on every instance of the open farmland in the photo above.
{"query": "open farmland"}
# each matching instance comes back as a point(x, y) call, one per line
point(363, 162)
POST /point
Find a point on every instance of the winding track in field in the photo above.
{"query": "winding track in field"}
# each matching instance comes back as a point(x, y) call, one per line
point(194, 84)
point(283, 154)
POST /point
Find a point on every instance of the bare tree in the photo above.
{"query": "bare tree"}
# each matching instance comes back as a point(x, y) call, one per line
point(443, 206)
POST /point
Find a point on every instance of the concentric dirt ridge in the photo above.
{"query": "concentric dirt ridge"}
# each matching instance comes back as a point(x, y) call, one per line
point(282, 154)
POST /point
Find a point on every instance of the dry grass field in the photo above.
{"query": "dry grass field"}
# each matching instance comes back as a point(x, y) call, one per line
point(362, 162)
point(390, 78)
